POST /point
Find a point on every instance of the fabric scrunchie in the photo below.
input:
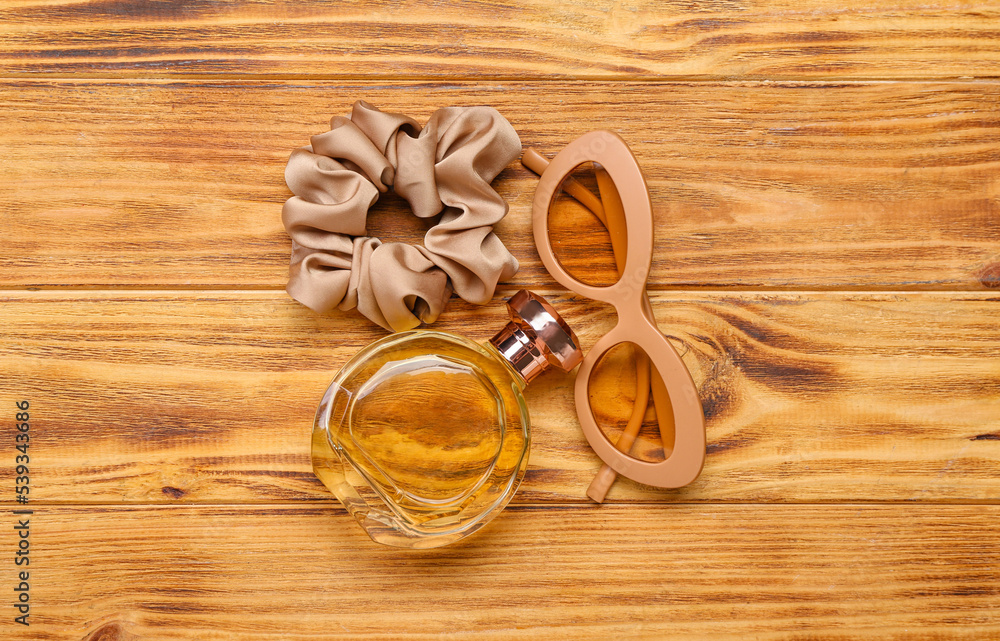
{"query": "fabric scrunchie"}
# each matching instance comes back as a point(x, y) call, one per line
point(445, 168)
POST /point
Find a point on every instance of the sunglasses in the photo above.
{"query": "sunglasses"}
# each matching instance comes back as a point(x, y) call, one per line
point(625, 210)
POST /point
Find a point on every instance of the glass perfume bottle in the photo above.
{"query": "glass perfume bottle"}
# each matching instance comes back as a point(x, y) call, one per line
point(424, 435)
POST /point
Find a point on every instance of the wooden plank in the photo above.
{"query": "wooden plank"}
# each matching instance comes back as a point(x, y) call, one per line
point(142, 397)
point(774, 185)
point(773, 39)
point(613, 572)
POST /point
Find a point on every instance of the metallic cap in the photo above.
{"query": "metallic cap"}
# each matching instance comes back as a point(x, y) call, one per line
point(536, 337)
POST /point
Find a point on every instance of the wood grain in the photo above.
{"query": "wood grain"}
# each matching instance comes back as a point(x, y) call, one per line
point(775, 185)
point(522, 39)
point(612, 572)
point(165, 397)
point(826, 184)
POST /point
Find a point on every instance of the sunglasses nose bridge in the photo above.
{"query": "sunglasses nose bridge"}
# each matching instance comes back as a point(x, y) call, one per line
point(628, 295)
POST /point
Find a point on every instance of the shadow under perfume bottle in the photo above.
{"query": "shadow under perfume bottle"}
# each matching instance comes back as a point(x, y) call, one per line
point(424, 435)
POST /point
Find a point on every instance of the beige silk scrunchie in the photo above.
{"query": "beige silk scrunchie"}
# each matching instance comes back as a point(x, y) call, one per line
point(445, 168)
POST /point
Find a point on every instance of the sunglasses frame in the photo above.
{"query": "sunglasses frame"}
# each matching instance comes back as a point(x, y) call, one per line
point(635, 322)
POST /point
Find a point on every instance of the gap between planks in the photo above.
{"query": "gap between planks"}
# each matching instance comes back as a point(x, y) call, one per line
point(514, 505)
point(500, 291)
point(405, 82)
point(553, 79)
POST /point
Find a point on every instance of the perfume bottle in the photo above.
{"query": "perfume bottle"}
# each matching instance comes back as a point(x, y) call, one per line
point(424, 435)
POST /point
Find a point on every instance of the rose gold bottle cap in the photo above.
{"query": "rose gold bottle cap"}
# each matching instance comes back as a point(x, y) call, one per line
point(536, 337)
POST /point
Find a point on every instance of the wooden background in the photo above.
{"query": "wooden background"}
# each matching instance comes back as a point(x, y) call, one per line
point(826, 186)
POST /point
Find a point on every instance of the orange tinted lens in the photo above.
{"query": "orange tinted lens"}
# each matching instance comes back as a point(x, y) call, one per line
point(578, 231)
point(622, 402)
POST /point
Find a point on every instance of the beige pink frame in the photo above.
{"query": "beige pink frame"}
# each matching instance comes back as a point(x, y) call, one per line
point(635, 322)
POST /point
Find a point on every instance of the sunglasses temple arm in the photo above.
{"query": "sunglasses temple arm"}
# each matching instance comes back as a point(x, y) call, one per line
point(661, 398)
point(537, 163)
point(664, 413)
point(606, 476)
point(614, 212)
